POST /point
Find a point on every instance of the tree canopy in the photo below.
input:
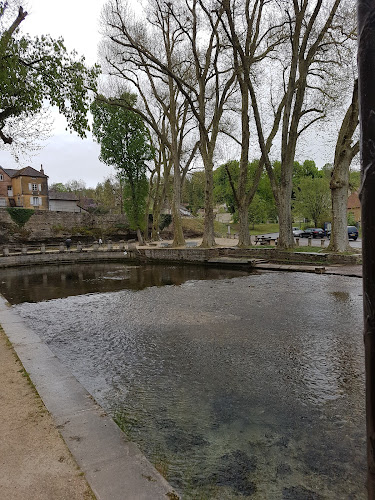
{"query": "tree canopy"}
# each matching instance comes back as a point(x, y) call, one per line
point(125, 144)
point(38, 69)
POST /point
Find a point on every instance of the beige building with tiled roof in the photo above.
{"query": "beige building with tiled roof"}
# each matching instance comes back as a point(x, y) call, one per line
point(26, 188)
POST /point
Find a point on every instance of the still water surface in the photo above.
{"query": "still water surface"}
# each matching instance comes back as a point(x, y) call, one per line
point(234, 385)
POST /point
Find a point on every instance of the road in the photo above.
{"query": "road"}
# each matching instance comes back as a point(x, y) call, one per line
point(316, 242)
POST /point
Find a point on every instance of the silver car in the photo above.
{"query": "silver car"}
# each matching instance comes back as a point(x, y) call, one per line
point(297, 232)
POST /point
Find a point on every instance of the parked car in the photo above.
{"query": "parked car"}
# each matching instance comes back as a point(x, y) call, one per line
point(352, 233)
point(313, 232)
point(297, 232)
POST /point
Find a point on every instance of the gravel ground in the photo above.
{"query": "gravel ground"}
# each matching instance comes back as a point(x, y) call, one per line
point(35, 463)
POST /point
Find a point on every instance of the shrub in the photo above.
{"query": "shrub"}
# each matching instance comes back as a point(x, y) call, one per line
point(20, 215)
point(165, 220)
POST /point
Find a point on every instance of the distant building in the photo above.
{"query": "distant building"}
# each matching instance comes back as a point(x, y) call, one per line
point(354, 206)
point(26, 188)
point(63, 202)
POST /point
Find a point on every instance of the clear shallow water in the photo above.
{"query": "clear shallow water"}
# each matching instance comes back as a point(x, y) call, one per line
point(243, 387)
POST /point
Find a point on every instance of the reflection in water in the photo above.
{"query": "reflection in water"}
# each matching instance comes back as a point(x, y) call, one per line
point(35, 284)
point(247, 387)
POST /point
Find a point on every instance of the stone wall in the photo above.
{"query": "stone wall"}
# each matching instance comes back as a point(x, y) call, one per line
point(52, 227)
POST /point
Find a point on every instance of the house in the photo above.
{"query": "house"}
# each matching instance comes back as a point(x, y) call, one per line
point(63, 202)
point(354, 206)
point(26, 188)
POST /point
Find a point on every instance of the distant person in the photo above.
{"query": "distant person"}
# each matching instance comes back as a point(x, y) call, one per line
point(100, 241)
point(68, 243)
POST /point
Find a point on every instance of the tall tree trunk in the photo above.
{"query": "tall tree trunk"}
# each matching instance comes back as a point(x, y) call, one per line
point(208, 234)
point(146, 232)
point(244, 232)
point(178, 235)
point(139, 236)
point(286, 239)
point(339, 232)
point(366, 79)
point(339, 184)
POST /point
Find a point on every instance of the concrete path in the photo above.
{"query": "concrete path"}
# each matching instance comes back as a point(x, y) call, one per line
point(114, 467)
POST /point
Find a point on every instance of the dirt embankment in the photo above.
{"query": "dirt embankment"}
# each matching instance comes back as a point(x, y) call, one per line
point(34, 460)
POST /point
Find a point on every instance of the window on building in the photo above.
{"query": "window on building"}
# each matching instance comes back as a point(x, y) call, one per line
point(35, 187)
point(3, 202)
point(1, 177)
point(35, 201)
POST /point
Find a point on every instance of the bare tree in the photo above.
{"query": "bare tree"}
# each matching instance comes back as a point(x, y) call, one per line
point(202, 76)
point(344, 153)
point(314, 47)
point(162, 104)
point(252, 39)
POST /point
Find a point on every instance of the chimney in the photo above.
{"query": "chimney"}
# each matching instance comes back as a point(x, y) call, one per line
point(41, 169)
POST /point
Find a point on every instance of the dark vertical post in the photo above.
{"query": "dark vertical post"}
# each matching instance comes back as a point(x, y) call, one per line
point(366, 80)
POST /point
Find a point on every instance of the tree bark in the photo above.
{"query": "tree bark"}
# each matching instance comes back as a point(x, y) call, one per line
point(244, 232)
point(208, 240)
point(339, 184)
point(178, 235)
point(339, 232)
point(366, 80)
point(286, 239)
point(140, 237)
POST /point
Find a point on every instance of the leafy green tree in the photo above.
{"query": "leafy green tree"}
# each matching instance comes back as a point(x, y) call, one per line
point(125, 144)
point(223, 192)
point(327, 170)
point(193, 191)
point(109, 195)
point(313, 199)
point(258, 210)
point(39, 69)
point(59, 187)
point(354, 180)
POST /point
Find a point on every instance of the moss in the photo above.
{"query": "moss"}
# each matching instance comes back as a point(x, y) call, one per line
point(20, 215)
point(59, 228)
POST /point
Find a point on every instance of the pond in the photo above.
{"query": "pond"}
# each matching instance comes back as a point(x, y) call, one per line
point(234, 385)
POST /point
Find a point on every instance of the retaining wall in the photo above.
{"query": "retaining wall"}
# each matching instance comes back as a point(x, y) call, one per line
point(45, 226)
point(175, 255)
point(271, 254)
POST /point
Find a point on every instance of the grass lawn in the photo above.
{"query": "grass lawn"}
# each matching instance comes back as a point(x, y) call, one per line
point(258, 228)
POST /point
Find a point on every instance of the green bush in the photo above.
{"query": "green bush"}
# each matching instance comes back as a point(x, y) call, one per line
point(20, 215)
point(351, 219)
point(165, 220)
point(59, 228)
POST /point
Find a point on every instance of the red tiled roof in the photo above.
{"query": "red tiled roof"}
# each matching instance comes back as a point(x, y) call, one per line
point(29, 172)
